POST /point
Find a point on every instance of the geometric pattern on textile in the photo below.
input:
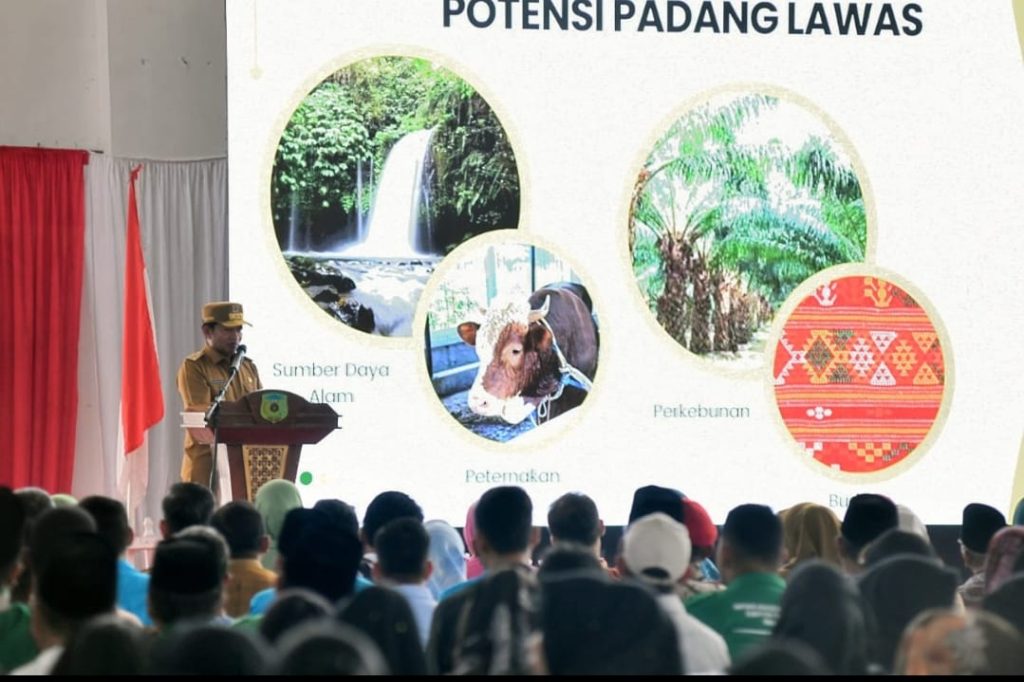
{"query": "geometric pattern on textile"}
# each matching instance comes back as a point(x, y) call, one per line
point(859, 379)
point(262, 463)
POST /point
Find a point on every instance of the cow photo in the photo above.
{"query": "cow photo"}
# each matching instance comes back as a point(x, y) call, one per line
point(511, 340)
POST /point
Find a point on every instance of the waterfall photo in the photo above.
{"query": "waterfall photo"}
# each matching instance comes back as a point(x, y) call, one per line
point(384, 168)
point(742, 198)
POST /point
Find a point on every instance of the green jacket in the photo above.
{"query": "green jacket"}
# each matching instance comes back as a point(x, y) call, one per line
point(744, 613)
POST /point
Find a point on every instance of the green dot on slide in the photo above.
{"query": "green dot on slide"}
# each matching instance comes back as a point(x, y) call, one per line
point(305, 478)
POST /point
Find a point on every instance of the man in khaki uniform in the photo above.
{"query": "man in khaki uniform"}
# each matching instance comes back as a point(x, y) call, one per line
point(203, 374)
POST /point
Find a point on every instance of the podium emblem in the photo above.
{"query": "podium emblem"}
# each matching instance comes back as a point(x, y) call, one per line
point(274, 407)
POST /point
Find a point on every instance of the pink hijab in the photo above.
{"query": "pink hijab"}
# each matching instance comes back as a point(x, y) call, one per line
point(473, 565)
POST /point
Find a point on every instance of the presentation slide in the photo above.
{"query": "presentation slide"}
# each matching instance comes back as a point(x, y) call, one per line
point(754, 251)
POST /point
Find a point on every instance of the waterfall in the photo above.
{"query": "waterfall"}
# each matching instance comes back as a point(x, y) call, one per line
point(293, 219)
point(360, 234)
point(391, 229)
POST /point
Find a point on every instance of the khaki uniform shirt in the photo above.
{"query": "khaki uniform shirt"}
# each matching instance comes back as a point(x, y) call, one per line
point(201, 377)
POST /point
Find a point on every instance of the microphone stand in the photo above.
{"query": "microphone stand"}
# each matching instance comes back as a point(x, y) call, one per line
point(212, 418)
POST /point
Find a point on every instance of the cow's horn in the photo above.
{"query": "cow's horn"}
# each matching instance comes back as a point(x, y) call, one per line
point(537, 315)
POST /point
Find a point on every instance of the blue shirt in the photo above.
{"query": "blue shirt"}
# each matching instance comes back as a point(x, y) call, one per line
point(260, 601)
point(133, 591)
point(459, 587)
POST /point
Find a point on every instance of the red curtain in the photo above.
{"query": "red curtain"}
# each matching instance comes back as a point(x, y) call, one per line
point(42, 241)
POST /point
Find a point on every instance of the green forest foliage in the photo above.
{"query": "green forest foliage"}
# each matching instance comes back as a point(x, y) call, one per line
point(355, 116)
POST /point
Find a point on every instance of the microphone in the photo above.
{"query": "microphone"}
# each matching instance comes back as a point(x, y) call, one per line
point(236, 362)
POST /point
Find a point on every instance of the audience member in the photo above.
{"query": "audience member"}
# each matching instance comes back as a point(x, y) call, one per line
point(1018, 513)
point(291, 608)
point(105, 645)
point(1008, 601)
point(821, 608)
point(776, 658)
point(1004, 550)
point(328, 649)
point(273, 501)
point(403, 565)
point(318, 555)
point(568, 558)
point(383, 509)
point(595, 626)
point(910, 522)
point(112, 524)
point(385, 617)
point(187, 504)
point(656, 551)
point(242, 528)
point(867, 516)
point(505, 537)
point(703, 575)
point(44, 533)
point(75, 579)
point(16, 644)
point(895, 542)
point(11, 535)
point(653, 498)
point(206, 649)
point(573, 518)
point(809, 531)
point(498, 629)
point(749, 555)
point(474, 567)
point(980, 523)
point(943, 642)
point(187, 580)
point(894, 592)
point(341, 513)
point(447, 556)
point(34, 501)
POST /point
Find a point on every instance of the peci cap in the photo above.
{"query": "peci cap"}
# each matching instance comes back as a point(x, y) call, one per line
point(868, 516)
point(657, 549)
point(980, 523)
point(653, 498)
point(224, 313)
point(185, 565)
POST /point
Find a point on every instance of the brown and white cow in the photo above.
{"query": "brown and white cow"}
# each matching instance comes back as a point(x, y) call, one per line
point(516, 343)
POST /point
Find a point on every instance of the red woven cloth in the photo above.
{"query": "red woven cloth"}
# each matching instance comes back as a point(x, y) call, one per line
point(859, 374)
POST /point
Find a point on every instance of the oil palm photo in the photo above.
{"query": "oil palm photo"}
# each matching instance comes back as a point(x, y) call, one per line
point(741, 199)
point(385, 167)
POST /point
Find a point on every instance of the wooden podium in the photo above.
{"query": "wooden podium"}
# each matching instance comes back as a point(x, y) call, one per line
point(264, 433)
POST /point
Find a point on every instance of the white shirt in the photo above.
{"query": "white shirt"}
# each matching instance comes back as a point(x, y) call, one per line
point(704, 651)
point(422, 603)
point(42, 664)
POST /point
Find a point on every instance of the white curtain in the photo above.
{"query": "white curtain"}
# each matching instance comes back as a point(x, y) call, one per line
point(183, 216)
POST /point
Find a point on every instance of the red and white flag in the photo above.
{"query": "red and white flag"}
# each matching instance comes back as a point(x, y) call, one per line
point(142, 400)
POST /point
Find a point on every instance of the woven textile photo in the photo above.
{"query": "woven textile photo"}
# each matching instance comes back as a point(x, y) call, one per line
point(859, 374)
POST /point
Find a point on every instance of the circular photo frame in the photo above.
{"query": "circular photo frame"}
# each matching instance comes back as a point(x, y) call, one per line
point(511, 339)
point(861, 373)
point(383, 168)
point(743, 196)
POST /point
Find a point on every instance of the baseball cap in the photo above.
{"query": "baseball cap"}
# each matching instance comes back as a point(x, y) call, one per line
point(657, 549)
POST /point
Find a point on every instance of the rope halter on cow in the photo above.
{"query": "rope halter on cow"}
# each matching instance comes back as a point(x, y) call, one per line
point(570, 376)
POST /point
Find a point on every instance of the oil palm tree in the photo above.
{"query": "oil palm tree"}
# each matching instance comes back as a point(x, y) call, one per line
point(721, 229)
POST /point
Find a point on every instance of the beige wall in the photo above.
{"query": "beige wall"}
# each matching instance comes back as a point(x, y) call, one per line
point(139, 78)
